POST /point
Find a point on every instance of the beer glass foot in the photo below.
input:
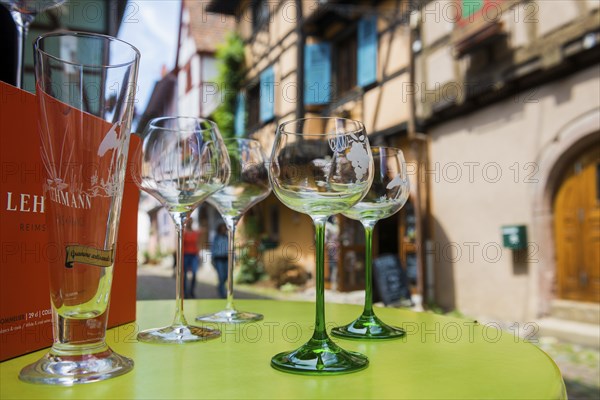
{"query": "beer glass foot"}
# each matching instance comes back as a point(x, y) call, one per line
point(76, 367)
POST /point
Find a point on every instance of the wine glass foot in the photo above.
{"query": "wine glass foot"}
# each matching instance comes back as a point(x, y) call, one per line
point(320, 357)
point(230, 317)
point(67, 369)
point(368, 327)
point(178, 334)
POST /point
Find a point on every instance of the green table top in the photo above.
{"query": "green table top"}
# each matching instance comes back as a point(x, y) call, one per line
point(442, 357)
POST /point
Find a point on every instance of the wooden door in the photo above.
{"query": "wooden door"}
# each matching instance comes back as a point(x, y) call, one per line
point(577, 230)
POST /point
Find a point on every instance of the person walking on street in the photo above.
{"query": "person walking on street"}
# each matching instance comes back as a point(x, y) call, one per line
point(219, 256)
point(191, 259)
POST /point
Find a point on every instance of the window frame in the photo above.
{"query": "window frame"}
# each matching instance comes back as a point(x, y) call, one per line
point(253, 106)
point(261, 15)
point(349, 35)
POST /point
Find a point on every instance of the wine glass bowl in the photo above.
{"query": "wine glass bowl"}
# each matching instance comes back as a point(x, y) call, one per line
point(247, 185)
point(180, 165)
point(31, 6)
point(387, 195)
point(183, 161)
point(320, 167)
point(315, 173)
point(23, 13)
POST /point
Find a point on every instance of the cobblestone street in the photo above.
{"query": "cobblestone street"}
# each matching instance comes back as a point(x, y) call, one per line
point(580, 367)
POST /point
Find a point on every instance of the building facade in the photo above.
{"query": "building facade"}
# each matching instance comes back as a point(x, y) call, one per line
point(200, 34)
point(509, 95)
point(187, 90)
point(310, 58)
point(495, 104)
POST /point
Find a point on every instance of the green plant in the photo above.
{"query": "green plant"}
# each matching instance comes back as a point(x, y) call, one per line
point(251, 269)
point(251, 227)
point(146, 257)
point(232, 70)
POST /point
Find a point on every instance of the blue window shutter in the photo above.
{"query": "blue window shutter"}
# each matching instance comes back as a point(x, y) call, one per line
point(239, 122)
point(267, 94)
point(367, 51)
point(317, 73)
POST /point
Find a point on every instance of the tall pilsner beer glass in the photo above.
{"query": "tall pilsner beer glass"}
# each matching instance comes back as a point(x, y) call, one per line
point(85, 85)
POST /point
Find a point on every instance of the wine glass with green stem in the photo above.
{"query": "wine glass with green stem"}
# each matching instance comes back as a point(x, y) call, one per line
point(320, 167)
point(248, 185)
point(184, 161)
point(387, 195)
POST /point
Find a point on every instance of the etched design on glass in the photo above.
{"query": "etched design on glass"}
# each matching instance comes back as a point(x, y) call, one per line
point(359, 157)
point(67, 175)
point(56, 179)
point(113, 140)
point(339, 143)
point(397, 181)
point(110, 141)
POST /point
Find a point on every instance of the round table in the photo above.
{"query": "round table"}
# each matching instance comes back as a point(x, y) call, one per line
point(441, 357)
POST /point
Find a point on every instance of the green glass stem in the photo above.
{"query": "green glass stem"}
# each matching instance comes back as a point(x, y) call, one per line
point(368, 309)
point(368, 325)
point(320, 355)
point(320, 332)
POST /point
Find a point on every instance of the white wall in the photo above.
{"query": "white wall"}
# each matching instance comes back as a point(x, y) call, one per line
point(470, 201)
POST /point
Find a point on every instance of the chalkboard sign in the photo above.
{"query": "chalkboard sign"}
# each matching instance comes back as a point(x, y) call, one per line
point(390, 279)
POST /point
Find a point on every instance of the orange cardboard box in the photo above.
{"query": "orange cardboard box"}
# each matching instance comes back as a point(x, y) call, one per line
point(25, 315)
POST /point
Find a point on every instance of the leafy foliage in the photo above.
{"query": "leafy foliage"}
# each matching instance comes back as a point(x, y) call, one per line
point(232, 70)
point(251, 270)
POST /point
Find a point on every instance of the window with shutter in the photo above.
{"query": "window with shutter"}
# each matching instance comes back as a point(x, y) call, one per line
point(253, 99)
point(240, 116)
point(267, 95)
point(317, 73)
point(367, 51)
point(188, 75)
point(345, 64)
point(478, 24)
point(260, 15)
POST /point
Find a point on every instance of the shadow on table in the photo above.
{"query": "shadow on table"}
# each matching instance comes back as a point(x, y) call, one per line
point(163, 288)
